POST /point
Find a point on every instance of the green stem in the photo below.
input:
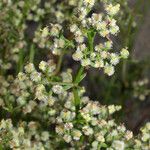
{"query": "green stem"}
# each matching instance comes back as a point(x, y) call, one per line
point(59, 64)
point(20, 63)
point(91, 36)
point(62, 83)
point(76, 99)
point(32, 53)
point(80, 71)
point(75, 89)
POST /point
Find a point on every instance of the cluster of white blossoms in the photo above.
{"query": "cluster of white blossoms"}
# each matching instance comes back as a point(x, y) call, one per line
point(91, 122)
point(143, 140)
point(49, 101)
point(141, 89)
point(15, 28)
point(30, 135)
point(85, 26)
point(26, 135)
point(104, 25)
point(41, 38)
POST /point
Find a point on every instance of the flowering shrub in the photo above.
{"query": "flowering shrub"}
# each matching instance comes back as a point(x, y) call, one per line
point(45, 106)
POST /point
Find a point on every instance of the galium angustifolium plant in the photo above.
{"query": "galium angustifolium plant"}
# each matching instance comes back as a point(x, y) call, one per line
point(45, 108)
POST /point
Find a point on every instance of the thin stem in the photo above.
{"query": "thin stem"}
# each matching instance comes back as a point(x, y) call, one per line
point(91, 36)
point(59, 64)
point(62, 83)
point(80, 71)
point(76, 99)
point(32, 53)
point(20, 63)
point(75, 90)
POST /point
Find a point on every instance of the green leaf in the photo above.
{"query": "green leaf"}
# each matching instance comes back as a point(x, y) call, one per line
point(82, 77)
point(67, 87)
point(103, 145)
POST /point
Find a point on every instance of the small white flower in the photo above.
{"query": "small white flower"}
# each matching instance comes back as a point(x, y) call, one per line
point(45, 32)
point(128, 135)
point(124, 53)
point(89, 3)
point(85, 62)
point(112, 10)
point(118, 145)
point(67, 138)
point(73, 28)
point(43, 65)
point(114, 59)
point(78, 55)
point(29, 68)
point(45, 136)
point(57, 89)
point(95, 144)
point(87, 130)
point(109, 69)
point(76, 134)
point(111, 109)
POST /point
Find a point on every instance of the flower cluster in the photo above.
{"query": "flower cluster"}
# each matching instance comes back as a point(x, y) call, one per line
point(85, 26)
point(13, 25)
point(24, 135)
point(103, 25)
point(143, 140)
point(50, 103)
point(140, 89)
point(16, 22)
point(91, 123)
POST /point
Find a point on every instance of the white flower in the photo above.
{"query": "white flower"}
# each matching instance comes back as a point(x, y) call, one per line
point(112, 10)
point(128, 135)
point(43, 65)
point(87, 130)
point(68, 126)
point(51, 101)
point(100, 138)
point(67, 138)
point(99, 64)
point(59, 43)
point(29, 68)
point(45, 32)
point(60, 130)
point(111, 109)
point(95, 144)
point(35, 76)
point(145, 137)
point(109, 69)
point(73, 28)
point(55, 29)
point(79, 39)
point(45, 136)
point(76, 134)
point(103, 54)
point(67, 115)
point(78, 55)
point(85, 62)
point(124, 53)
point(118, 145)
point(114, 59)
point(89, 3)
point(57, 89)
